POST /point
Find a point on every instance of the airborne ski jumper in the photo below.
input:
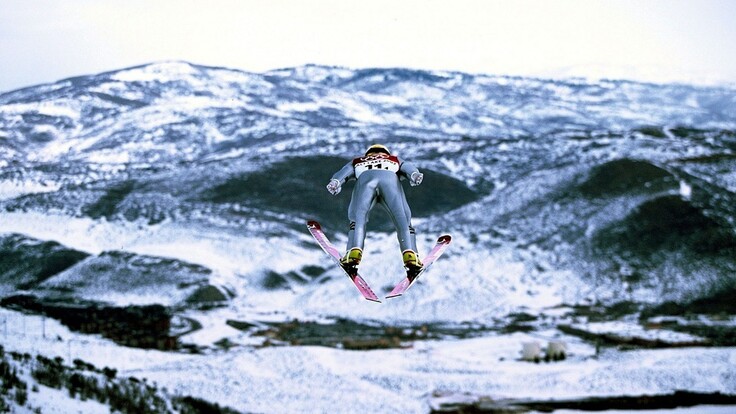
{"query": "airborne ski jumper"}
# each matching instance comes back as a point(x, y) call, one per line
point(377, 175)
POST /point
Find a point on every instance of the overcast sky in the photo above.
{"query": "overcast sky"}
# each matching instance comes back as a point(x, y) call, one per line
point(657, 40)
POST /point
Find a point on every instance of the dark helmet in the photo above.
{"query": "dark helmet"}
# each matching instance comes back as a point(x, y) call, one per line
point(375, 148)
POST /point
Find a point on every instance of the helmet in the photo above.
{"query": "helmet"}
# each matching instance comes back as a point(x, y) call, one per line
point(377, 148)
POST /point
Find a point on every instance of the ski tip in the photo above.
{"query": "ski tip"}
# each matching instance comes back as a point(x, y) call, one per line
point(376, 300)
point(445, 238)
point(313, 224)
point(396, 295)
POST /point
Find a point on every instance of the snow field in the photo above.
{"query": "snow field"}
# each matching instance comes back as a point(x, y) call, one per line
point(318, 379)
point(444, 293)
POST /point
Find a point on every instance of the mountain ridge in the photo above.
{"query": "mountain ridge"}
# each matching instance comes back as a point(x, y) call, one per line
point(164, 206)
point(535, 162)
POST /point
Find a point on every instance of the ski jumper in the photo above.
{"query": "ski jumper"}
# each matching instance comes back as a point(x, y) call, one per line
point(377, 178)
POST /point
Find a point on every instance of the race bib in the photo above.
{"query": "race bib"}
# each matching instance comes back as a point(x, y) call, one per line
point(378, 161)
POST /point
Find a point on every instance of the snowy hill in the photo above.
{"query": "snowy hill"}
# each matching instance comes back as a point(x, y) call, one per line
point(189, 186)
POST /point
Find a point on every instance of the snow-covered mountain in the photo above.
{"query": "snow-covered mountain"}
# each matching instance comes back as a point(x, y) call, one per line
point(189, 186)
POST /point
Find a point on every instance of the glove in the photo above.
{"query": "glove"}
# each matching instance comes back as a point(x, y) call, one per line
point(416, 178)
point(334, 187)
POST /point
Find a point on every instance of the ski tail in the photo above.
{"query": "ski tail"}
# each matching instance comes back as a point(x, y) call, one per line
point(400, 288)
point(363, 288)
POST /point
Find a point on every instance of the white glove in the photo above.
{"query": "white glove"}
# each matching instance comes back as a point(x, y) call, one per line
point(334, 187)
point(416, 178)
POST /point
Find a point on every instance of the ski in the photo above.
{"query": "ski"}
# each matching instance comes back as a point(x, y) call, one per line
point(439, 248)
point(316, 230)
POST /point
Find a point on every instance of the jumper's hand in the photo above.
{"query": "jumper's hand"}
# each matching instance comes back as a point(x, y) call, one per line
point(416, 178)
point(334, 187)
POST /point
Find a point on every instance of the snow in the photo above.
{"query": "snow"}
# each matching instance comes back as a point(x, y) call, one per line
point(417, 92)
point(241, 260)
point(234, 76)
point(201, 102)
point(161, 72)
point(685, 190)
point(510, 273)
point(83, 234)
point(313, 72)
point(340, 101)
point(61, 108)
point(110, 157)
point(317, 379)
point(16, 188)
point(376, 98)
point(699, 409)
point(660, 74)
point(55, 401)
point(397, 380)
point(45, 129)
point(118, 88)
point(299, 106)
point(227, 254)
point(354, 109)
point(625, 329)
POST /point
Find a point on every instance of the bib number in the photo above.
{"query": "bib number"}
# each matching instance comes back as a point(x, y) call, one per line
point(376, 162)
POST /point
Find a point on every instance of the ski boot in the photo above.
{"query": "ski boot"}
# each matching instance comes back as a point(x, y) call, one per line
point(351, 260)
point(411, 262)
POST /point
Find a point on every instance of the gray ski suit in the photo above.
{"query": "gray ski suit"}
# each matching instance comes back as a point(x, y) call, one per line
point(377, 178)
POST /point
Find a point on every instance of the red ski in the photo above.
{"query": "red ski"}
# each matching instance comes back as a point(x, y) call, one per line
point(316, 230)
point(439, 248)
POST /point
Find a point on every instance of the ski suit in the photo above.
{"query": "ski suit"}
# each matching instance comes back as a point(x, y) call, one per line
point(377, 178)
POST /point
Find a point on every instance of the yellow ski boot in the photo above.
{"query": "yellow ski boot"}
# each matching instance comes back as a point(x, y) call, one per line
point(352, 258)
point(411, 261)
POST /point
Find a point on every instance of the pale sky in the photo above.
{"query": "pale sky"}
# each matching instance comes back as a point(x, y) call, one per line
point(657, 40)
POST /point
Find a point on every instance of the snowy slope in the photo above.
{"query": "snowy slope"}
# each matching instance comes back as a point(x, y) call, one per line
point(149, 184)
point(195, 163)
point(309, 379)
